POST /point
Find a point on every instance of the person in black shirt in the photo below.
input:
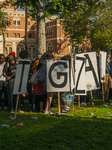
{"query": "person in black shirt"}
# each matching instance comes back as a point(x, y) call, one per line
point(9, 72)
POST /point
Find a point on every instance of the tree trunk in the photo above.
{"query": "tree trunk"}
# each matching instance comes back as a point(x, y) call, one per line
point(41, 39)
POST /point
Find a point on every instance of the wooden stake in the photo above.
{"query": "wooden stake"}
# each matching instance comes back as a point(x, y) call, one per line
point(16, 105)
point(92, 98)
point(103, 97)
point(79, 101)
point(59, 103)
point(73, 104)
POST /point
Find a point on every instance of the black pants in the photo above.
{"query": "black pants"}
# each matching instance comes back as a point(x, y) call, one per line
point(38, 99)
point(4, 90)
point(29, 89)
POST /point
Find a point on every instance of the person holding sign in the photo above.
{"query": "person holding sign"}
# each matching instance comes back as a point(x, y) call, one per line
point(9, 72)
point(3, 89)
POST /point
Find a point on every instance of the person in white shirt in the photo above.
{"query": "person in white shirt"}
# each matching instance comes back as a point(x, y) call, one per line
point(3, 88)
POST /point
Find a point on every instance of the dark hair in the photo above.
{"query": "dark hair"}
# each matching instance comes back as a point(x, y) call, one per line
point(2, 55)
point(23, 54)
point(66, 57)
point(47, 55)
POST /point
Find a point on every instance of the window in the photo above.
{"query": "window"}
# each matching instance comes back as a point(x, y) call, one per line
point(29, 36)
point(30, 53)
point(49, 31)
point(22, 49)
point(6, 35)
point(18, 51)
point(18, 22)
point(5, 51)
point(10, 49)
point(22, 15)
point(50, 49)
point(10, 14)
point(28, 22)
point(14, 22)
point(18, 35)
point(34, 52)
point(14, 35)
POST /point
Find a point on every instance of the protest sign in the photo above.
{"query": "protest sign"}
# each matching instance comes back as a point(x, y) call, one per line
point(86, 73)
point(21, 78)
point(58, 76)
point(92, 79)
point(102, 64)
point(2, 78)
point(80, 76)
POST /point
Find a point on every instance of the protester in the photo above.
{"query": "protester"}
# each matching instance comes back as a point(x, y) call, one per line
point(108, 77)
point(3, 88)
point(39, 90)
point(49, 94)
point(9, 72)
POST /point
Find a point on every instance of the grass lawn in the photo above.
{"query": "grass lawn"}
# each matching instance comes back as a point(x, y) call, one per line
point(76, 130)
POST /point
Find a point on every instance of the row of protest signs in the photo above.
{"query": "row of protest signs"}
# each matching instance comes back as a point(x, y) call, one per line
point(61, 76)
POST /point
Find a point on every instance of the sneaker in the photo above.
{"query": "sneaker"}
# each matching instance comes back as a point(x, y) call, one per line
point(20, 111)
point(63, 111)
point(46, 112)
point(67, 108)
point(50, 112)
point(11, 112)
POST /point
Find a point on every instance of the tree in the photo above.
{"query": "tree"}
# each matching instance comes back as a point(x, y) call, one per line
point(75, 14)
point(101, 29)
point(3, 21)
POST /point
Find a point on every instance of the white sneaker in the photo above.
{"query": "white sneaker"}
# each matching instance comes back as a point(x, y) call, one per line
point(46, 112)
point(50, 112)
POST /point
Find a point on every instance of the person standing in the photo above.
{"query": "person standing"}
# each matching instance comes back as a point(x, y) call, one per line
point(3, 89)
point(9, 72)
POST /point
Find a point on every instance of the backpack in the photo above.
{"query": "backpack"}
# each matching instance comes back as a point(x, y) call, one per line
point(38, 75)
point(33, 80)
point(41, 76)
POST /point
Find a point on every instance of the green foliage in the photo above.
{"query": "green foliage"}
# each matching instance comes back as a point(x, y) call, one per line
point(101, 29)
point(78, 18)
point(3, 21)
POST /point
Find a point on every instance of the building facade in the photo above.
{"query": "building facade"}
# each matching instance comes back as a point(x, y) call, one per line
point(13, 38)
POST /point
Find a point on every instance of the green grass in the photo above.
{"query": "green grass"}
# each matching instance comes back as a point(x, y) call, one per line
point(76, 130)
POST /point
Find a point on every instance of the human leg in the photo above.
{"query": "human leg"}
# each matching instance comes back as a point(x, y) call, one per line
point(10, 94)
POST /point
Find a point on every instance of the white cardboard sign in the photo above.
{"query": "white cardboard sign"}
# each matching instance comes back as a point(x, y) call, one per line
point(92, 79)
point(80, 75)
point(21, 78)
point(58, 76)
point(102, 63)
point(91, 72)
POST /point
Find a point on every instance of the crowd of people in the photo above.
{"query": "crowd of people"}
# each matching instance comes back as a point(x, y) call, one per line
point(38, 97)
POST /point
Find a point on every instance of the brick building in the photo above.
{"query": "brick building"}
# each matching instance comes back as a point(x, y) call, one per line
point(13, 38)
point(14, 35)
